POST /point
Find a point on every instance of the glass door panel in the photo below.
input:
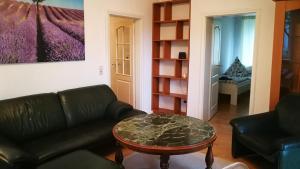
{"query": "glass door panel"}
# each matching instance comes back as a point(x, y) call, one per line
point(127, 67)
point(123, 51)
point(119, 66)
point(119, 52)
point(127, 52)
point(126, 35)
point(120, 35)
point(290, 70)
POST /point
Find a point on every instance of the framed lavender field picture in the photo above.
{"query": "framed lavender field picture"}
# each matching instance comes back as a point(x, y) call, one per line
point(34, 31)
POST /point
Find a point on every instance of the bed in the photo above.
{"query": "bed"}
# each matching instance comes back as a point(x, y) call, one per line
point(234, 88)
point(235, 81)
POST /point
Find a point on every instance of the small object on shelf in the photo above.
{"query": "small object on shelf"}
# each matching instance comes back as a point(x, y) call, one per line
point(182, 55)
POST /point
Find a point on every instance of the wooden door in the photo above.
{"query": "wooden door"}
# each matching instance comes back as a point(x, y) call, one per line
point(121, 49)
point(286, 51)
point(215, 69)
point(213, 72)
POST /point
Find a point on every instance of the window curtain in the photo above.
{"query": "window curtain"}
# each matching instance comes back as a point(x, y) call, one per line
point(216, 44)
point(247, 40)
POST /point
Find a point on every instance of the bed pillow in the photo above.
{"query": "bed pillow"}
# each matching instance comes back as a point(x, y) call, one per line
point(237, 69)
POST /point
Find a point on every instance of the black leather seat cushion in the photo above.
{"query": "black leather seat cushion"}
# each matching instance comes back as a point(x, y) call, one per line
point(264, 143)
point(80, 160)
point(98, 132)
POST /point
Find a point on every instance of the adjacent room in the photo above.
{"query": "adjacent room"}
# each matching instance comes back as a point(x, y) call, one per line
point(151, 84)
point(233, 38)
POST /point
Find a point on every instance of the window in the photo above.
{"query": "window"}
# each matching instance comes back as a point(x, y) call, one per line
point(216, 52)
point(247, 40)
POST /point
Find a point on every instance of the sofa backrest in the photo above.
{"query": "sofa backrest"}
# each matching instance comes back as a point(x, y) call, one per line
point(288, 110)
point(84, 104)
point(30, 117)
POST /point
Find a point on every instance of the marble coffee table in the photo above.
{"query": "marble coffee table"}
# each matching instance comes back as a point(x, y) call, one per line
point(165, 135)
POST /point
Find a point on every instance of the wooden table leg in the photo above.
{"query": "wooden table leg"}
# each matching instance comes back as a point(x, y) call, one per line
point(164, 161)
point(209, 158)
point(119, 155)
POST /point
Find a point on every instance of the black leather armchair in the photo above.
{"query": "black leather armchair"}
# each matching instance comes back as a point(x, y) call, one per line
point(274, 135)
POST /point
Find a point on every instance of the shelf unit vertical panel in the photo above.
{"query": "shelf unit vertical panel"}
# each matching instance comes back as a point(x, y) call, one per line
point(166, 85)
point(186, 30)
point(156, 31)
point(155, 50)
point(178, 68)
point(156, 12)
point(167, 49)
point(168, 11)
point(179, 30)
point(155, 102)
point(177, 106)
point(155, 85)
point(155, 67)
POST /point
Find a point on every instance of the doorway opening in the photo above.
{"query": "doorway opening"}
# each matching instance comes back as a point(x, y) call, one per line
point(232, 50)
point(122, 47)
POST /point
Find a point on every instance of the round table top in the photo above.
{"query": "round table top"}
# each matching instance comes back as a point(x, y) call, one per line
point(173, 134)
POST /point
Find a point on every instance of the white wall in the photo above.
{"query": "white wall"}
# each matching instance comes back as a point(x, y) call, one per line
point(262, 70)
point(25, 79)
point(19, 80)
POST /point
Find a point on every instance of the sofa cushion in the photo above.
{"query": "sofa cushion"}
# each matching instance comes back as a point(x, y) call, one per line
point(29, 117)
point(80, 160)
point(99, 132)
point(264, 143)
point(288, 110)
point(84, 104)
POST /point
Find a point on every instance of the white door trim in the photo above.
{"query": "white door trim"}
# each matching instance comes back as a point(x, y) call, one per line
point(203, 107)
point(138, 51)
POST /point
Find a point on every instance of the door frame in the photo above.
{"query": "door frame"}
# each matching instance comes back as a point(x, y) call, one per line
point(206, 60)
point(137, 51)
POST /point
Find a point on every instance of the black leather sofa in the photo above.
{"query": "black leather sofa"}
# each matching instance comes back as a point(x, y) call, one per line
point(274, 135)
point(36, 128)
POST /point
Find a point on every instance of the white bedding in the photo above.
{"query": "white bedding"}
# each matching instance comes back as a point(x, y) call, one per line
point(234, 87)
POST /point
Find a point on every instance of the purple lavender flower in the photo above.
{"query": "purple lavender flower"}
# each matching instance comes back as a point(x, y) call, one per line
point(18, 38)
point(60, 33)
point(59, 46)
point(73, 27)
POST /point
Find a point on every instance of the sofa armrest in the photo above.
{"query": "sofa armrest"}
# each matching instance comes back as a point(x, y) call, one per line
point(11, 155)
point(288, 143)
point(131, 113)
point(254, 123)
point(118, 109)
